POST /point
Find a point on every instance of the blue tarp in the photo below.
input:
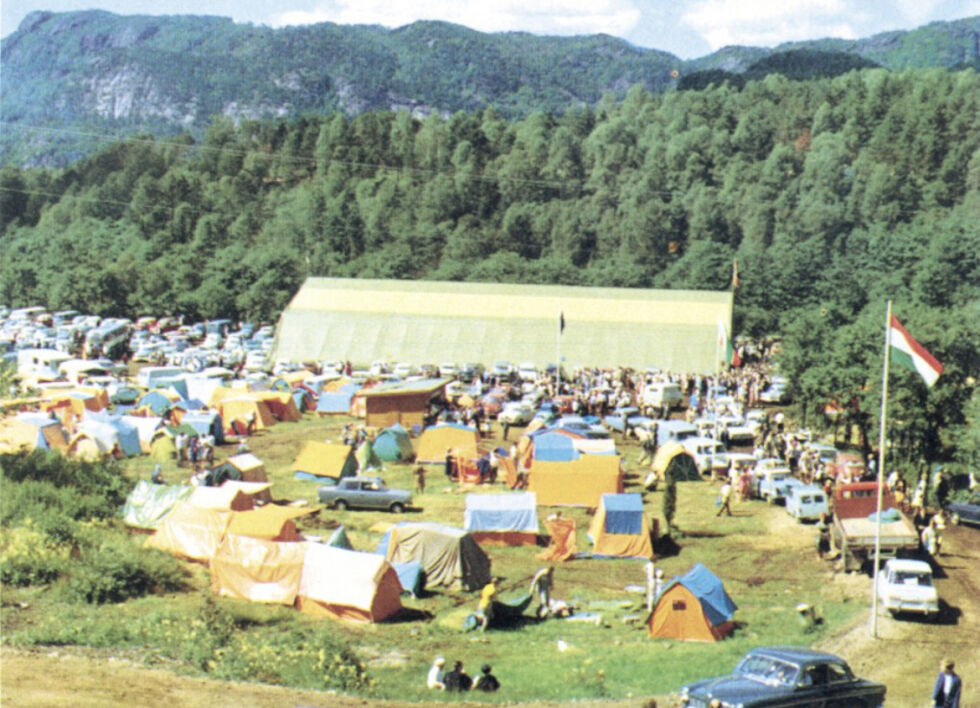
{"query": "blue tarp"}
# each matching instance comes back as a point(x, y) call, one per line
point(515, 511)
point(554, 447)
point(624, 513)
point(706, 586)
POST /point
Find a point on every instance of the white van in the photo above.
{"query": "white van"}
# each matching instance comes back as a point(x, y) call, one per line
point(658, 394)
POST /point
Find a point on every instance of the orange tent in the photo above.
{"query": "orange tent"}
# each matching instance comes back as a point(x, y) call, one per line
point(620, 528)
point(579, 482)
point(693, 607)
point(257, 570)
point(562, 546)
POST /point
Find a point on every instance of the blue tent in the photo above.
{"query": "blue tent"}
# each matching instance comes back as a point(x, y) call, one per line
point(509, 516)
point(554, 447)
point(206, 423)
point(709, 619)
point(156, 401)
point(337, 401)
point(624, 513)
point(393, 445)
point(339, 539)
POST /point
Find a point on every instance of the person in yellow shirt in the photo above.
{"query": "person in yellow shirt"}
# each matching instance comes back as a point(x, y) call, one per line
point(484, 610)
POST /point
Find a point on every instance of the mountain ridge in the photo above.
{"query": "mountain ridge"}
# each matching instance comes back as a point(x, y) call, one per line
point(96, 71)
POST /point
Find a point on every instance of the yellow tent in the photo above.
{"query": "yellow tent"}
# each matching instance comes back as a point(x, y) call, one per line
point(580, 482)
point(221, 499)
point(436, 440)
point(281, 405)
point(674, 457)
point(270, 522)
point(244, 408)
point(620, 528)
point(17, 435)
point(251, 469)
point(191, 532)
point(84, 447)
point(257, 570)
point(693, 607)
point(326, 460)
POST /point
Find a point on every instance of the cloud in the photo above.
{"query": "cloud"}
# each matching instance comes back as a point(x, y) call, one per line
point(557, 17)
point(770, 22)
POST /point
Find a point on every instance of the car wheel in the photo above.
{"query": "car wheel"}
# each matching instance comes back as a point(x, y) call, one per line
point(340, 505)
point(397, 508)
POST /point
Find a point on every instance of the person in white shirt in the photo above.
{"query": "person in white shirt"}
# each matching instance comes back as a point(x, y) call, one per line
point(436, 673)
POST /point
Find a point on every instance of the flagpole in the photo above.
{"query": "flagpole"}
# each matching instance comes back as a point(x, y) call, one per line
point(561, 322)
point(881, 472)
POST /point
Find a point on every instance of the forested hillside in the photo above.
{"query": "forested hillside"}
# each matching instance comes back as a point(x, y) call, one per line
point(70, 78)
point(833, 195)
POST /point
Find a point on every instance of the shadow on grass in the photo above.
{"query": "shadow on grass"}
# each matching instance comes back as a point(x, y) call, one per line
point(410, 614)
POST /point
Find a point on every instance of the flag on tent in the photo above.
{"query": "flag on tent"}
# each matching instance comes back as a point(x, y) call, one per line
point(561, 322)
point(904, 350)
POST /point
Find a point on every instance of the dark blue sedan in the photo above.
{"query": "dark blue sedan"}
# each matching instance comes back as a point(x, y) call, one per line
point(967, 512)
point(779, 677)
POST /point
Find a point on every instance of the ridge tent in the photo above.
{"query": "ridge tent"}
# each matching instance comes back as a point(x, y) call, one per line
point(221, 499)
point(270, 522)
point(206, 423)
point(366, 459)
point(84, 446)
point(449, 556)
point(320, 459)
point(508, 519)
point(348, 585)
point(693, 607)
point(146, 427)
point(339, 539)
point(149, 504)
point(620, 529)
point(674, 460)
point(580, 482)
point(336, 400)
point(243, 408)
point(160, 401)
point(281, 405)
point(31, 431)
point(553, 446)
point(109, 431)
point(244, 467)
point(191, 532)
point(435, 440)
point(258, 570)
point(252, 489)
point(393, 445)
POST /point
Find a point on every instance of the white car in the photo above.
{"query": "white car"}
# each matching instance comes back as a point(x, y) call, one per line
point(709, 455)
point(527, 372)
point(516, 413)
point(447, 370)
point(906, 586)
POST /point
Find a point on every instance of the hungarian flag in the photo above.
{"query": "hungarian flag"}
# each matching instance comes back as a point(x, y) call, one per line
point(725, 346)
point(909, 353)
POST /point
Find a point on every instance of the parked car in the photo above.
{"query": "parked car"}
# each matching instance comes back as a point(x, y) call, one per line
point(772, 484)
point(967, 512)
point(364, 493)
point(709, 455)
point(805, 502)
point(779, 677)
point(905, 585)
point(516, 413)
point(447, 370)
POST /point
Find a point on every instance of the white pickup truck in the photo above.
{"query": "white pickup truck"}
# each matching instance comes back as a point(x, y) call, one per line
point(906, 586)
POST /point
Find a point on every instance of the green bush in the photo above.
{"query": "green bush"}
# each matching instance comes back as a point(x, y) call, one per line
point(101, 479)
point(116, 569)
point(28, 556)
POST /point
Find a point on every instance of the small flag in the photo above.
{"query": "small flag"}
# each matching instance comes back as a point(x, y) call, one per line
point(561, 322)
point(728, 352)
point(734, 274)
point(904, 350)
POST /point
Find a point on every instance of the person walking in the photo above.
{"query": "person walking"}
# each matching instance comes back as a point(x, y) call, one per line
point(726, 499)
point(949, 686)
point(419, 474)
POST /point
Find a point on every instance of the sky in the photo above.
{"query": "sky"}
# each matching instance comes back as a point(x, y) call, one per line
point(686, 28)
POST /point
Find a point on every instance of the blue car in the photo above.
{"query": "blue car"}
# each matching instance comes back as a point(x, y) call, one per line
point(780, 677)
point(805, 502)
point(967, 512)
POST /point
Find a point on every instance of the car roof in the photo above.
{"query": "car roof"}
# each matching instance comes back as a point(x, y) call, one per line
point(909, 565)
point(797, 655)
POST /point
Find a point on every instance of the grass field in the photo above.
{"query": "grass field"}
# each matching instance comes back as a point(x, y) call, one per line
point(765, 560)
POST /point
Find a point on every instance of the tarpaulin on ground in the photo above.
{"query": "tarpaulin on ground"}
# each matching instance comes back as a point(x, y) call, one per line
point(149, 504)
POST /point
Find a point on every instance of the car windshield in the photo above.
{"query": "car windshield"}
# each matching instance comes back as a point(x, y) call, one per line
point(768, 670)
point(911, 578)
